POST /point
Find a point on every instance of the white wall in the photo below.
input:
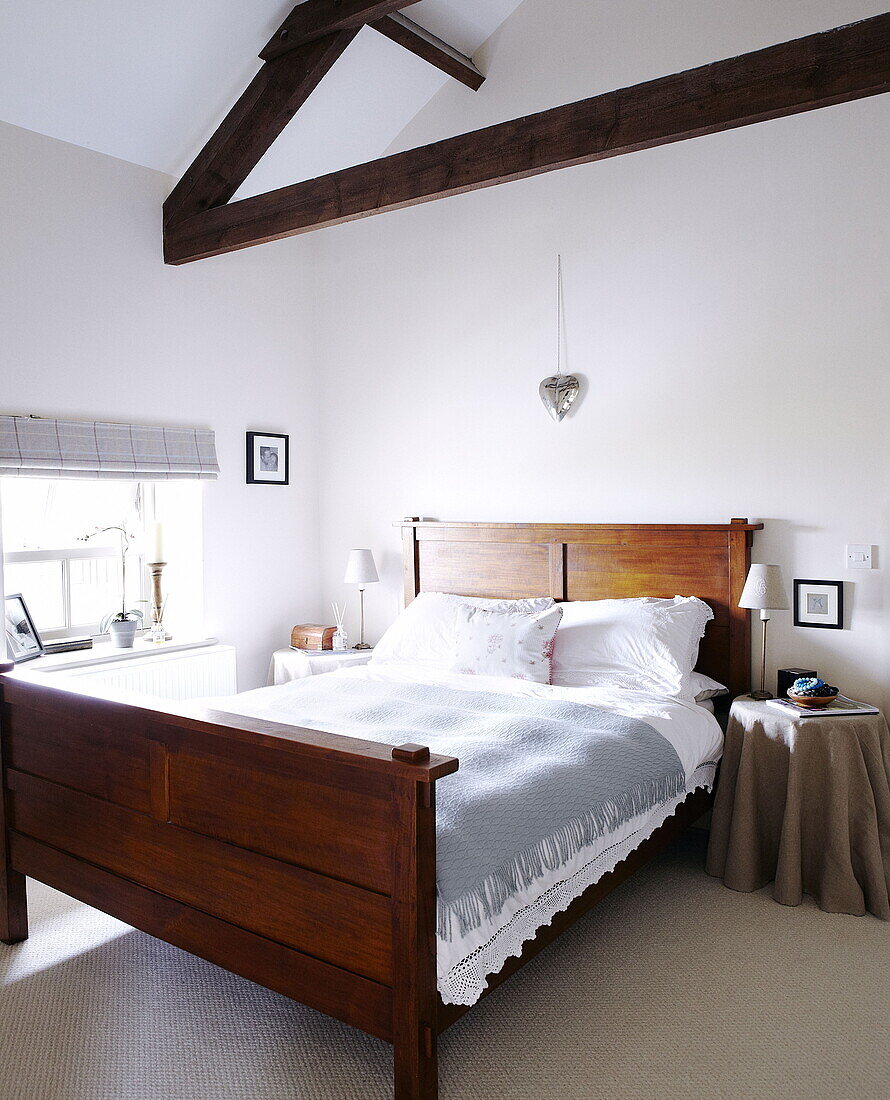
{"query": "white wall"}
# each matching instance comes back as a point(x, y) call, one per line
point(94, 326)
point(726, 302)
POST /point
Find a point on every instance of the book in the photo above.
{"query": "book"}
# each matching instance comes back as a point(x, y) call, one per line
point(68, 645)
point(837, 707)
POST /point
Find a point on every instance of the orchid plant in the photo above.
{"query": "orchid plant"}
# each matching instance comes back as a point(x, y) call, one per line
point(125, 614)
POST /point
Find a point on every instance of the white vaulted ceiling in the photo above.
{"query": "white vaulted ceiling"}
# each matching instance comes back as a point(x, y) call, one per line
point(149, 83)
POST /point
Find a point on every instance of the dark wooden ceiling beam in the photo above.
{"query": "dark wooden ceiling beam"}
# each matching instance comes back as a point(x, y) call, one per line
point(272, 99)
point(316, 18)
point(832, 67)
point(399, 28)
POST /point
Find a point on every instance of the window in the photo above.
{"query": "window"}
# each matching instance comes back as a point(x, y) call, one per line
point(70, 575)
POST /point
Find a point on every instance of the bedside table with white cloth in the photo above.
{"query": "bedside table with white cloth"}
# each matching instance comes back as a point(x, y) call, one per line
point(296, 664)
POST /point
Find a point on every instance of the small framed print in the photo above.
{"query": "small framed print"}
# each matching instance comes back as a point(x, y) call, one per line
point(22, 640)
point(819, 603)
point(267, 459)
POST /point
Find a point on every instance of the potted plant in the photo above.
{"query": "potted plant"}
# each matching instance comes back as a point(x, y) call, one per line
point(121, 625)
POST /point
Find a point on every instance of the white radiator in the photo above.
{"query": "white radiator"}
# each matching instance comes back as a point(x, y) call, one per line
point(182, 674)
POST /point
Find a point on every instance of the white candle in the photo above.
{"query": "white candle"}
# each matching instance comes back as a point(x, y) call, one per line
point(158, 547)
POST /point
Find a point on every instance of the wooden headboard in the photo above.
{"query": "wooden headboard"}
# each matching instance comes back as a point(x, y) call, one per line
point(597, 561)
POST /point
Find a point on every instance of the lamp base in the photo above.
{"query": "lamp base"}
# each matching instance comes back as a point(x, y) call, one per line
point(761, 695)
point(361, 645)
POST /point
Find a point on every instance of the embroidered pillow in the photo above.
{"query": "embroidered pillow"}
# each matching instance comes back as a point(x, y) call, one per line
point(505, 643)
point(424, 632)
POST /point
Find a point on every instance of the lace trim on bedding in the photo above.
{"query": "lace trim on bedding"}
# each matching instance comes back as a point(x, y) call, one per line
point(705, 614)
point(465, 983)
point(489, 897)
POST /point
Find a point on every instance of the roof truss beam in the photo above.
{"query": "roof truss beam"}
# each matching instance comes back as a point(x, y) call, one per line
point(316, 18)
point(822, 69)
point(271, 100)
point(420, 41)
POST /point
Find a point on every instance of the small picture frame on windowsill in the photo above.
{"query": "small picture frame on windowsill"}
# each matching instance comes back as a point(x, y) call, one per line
point(268, 460)
point(23, 643)
point(819, 604)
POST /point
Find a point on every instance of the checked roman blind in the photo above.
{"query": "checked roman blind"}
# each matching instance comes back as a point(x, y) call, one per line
point(32, 446)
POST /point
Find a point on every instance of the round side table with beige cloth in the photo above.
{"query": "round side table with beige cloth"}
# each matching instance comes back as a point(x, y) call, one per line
point(805, 802)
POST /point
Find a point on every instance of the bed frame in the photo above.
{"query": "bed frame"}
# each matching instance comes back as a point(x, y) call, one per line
point(302, 860)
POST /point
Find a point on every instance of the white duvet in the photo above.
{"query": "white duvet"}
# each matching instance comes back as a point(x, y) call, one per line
point(464, 962)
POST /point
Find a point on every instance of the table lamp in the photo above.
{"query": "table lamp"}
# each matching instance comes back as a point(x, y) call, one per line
point(764, 591)
point(361, 570)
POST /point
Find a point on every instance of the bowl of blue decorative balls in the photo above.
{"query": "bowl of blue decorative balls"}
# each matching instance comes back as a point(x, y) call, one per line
point(810, 691)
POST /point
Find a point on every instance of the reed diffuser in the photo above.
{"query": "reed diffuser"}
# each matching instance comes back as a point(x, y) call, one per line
point(339, 641)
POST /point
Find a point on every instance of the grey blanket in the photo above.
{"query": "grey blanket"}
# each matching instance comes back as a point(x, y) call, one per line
point(538, 779)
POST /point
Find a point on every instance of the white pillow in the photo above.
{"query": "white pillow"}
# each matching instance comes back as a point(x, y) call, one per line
point(648, 644)
point(505, 643)
point(424, 631)
point(705, 688)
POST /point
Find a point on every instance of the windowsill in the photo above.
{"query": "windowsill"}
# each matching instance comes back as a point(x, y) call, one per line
point(105, 653)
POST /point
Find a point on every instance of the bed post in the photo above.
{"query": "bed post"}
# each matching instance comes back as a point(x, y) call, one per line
point(13, 900)
point(415, 996)
point(740, 537)
point(410, 559)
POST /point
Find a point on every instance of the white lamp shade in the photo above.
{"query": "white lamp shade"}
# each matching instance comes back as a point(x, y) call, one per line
point(764, 588)
point(360, 568)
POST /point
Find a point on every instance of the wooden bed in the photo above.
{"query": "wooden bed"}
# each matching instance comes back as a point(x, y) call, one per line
point(302, 860)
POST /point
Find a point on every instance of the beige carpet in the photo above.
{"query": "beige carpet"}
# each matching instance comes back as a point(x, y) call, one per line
point(675, 987)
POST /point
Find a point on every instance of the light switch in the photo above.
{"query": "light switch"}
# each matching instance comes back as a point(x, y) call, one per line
point(860, 555)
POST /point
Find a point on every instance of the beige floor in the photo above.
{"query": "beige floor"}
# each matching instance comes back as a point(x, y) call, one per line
point(675, 987)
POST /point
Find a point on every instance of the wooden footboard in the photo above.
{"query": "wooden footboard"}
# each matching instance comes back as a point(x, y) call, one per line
point(301, 860)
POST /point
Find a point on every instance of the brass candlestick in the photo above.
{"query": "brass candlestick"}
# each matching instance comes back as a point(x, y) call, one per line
point(158, 633)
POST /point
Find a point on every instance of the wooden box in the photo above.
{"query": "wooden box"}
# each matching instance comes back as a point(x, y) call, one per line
point(312, 636)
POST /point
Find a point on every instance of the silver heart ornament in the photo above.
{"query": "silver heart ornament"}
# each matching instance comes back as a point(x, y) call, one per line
point(557, 394)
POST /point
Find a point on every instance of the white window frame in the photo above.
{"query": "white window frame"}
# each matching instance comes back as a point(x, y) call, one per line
point(65, 556)
point(137, 559)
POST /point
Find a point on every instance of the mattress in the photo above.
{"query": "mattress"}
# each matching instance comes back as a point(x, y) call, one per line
point(465, 960)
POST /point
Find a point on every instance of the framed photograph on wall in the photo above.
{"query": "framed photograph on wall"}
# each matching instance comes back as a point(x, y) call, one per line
point(267, 459)
point(22, 640)
point(819, 603)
